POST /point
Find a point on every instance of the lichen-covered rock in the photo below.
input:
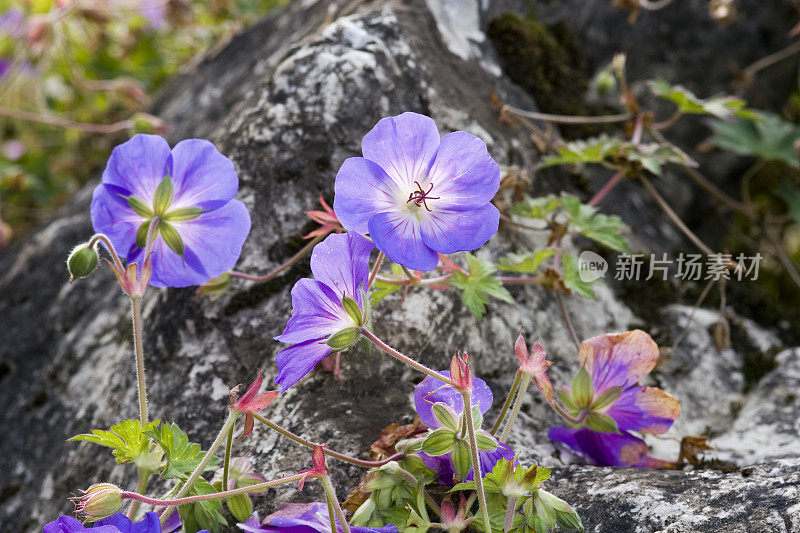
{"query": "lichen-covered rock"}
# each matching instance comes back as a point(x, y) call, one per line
point(288, 101)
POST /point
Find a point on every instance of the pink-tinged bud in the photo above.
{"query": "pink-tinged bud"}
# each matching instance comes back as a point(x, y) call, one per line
point(319, 470)
point(452, 519)
point(535, 365)
point(101, 500)
point(326, 218)
point(460, 373)
point(252, 402)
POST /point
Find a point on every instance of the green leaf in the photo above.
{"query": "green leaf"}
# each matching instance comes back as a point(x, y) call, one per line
point(171, 237)
point(535, 208)
point(182, 456)
point(478, 285)
point(592, 150)
point(240, 506)
point(587, 221)
point(162, 199)
point(765, 136)
point(439, 442)
point(381, 289)
point(127, 439)
point(140, 207)
point(204, 514)
point(527, 262)
point(723, 107)
point(572, 278)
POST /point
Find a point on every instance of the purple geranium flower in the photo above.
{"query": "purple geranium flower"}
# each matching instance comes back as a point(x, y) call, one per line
point(304, 518)
point(340, 265)
point(431, 391)
point(621, 360)
point(118, 523)
point(418, 195)
point(202, 227)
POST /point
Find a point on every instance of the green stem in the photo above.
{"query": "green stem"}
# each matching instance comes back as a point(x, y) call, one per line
point(328, 452)
point(331, 515)
point(138, 340)
point(228, 427)
point(226, 465)
point(141, 485)
point(523, 387)
point(476, 463)
point(328, 486)
point(510, 510)
point(174, 502)
point(507, 403)
point(404, 358)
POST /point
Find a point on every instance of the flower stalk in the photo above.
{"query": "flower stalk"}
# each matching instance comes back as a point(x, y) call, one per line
point(286, 264)
point(334, 501)
point(507, 403)
point(476, 463)
point(404, 358)
point(523, 387)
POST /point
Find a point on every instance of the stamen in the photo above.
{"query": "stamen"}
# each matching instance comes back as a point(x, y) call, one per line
point(420, 196)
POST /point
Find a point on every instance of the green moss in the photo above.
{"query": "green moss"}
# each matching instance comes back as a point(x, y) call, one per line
point(545, 61)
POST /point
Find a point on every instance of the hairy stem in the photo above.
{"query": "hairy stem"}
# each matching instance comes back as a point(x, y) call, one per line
point(510, 510)
point(507, 403)
point(404, 358)
point(138, 340)
point(226, 464)
point(227, 428)
point(567, 319)
point(476, 462)
point(523, 387)
point(328, 486)
point(141, 485)
point(289, 262)
point(375, 269)
point(328, 452)
point(605, 189)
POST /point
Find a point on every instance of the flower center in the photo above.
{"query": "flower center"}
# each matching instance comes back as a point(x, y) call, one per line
point(420, 196)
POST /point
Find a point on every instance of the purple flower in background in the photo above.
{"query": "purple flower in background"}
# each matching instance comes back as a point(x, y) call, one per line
point(304, 518)
point(418, 195)
point(340, 265)
point(431, 391)
point(155, 11)
point(12, 23)
point(191, 188)
point(616, 363)
point(118, 523)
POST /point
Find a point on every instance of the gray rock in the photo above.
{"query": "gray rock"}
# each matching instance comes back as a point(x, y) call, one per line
point(288, 101)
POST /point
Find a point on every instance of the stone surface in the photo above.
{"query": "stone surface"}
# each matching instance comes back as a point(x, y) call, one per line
point(288, 101)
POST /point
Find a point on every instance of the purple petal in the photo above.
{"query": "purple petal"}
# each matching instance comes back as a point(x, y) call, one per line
point(363, 189)
point(618, 360)
point(341, 262)
point(138, 165)
point(645, 409)
point(398, 235)
point(464, 174)
point(63, 524)
point(316, 313)
point(202, 177)
point(430, 391)
point(404, 146)
point(602, 449)
point(112, 216)
point(448, 232)
point(310, 518)
point(296, 361)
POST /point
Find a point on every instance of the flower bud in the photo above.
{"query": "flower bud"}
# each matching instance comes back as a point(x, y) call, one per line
point(101, 500)
point(460, 372)
point(555, 511)
point(82, 261)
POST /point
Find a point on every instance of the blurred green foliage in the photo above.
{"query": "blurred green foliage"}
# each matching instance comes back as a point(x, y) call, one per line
point(75, 76)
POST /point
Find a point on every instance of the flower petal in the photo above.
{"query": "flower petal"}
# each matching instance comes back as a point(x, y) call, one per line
point(430, 391)
point(112, 216)
point(363, 189)
point(138, 165)
point(202, 177)
point(645, 409)
point(296, 361)
point(464, 174)
point(618, 360)
point(449, 231)
point(341, 261)
point(404, 146)
point(316, 313)
point(602, 449)
point(398, 235)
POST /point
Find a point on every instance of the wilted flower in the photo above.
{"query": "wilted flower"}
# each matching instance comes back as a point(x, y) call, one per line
point(118, 523)
point(327, 311)
point(326, 219)
point(319, 468)
point(416, 194)
point(441, 406)
point(606, 390)
point(304, 518)
point(252, 402)
point(190, 191)
point(535, 365)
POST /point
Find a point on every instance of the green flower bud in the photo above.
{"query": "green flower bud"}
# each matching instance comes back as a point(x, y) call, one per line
point(558, 511)
point(341, 340)
point(81, 262)
point(101, 500)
